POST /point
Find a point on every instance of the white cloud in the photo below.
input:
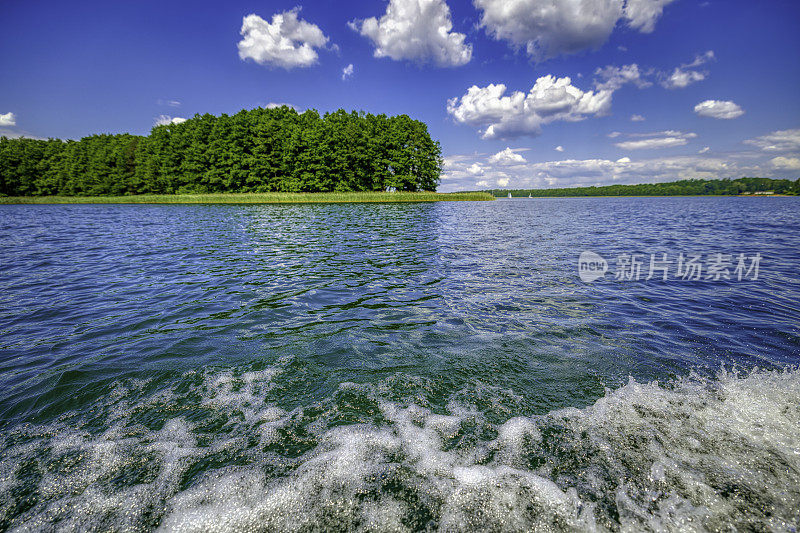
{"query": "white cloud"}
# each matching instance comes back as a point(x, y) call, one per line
point(8, 119)
point(637, 118)
point(662, 139)
point(416, 30)
point(548, 28)
point(21, 135)
point(507, 157)
point(721, 109)
point(785, 163)
point(559, 148)
point(163, 120)
point(680, 79)
point(347, 71)
point(685, 75)
point(287, 42)
point(612, 78)
point(274, 105)
point(586, 172)
point(778, 141)
point(475, 169)
point(704, 150)
point(170, 103)
point(549, 100)
point(701, 59)
point(643, 14)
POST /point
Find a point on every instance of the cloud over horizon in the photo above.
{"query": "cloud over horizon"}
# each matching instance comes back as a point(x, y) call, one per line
point(164, 120)
point(778, 141)
point(8, 119)
point(599, 171)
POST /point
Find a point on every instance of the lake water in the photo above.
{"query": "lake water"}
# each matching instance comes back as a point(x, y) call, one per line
point(397, 367)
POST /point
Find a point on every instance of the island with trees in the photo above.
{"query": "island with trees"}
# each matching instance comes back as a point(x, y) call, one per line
point(254, 151)
point(277, 155)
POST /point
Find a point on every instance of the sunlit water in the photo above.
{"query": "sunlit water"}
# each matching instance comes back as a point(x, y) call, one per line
point(396, 367)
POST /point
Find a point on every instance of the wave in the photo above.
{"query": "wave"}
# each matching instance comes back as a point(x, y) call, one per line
point(210, 453)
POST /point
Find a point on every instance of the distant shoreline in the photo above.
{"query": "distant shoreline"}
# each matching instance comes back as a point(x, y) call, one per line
point(655, 196)
point(256, 198)
point(689, 187)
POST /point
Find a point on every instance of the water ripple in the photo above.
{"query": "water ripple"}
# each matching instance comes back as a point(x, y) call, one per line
point(173, 356)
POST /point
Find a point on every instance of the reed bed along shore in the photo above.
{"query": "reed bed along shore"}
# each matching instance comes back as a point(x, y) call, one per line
point(255, 198)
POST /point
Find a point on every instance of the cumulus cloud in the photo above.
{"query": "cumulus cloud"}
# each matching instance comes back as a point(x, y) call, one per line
point(475, 169)
point(613, 78)
point(347, 71)
point(637, 118)
point(687, 74)
point(8, 119)
point(505, 116)
point(662, 139)
point(785, 163)
point(559, 148)
point(507, 157)
point(721, 109)
point(548, 28)
point(416, 30)
point(501, 115)
point(586, 172)
point(286, 42)
point(681, 79)
point(778, 141)
point(643, 14)
point(163, 120)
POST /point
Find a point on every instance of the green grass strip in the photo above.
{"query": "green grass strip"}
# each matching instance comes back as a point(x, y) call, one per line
point(256, 198)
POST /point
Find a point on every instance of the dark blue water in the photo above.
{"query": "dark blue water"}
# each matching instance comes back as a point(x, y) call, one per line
point(397, 367)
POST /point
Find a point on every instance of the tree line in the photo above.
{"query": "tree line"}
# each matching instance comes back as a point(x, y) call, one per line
point(690, 187)
point(258, 150)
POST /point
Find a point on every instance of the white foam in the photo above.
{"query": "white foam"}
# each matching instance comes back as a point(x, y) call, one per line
point(692, 455)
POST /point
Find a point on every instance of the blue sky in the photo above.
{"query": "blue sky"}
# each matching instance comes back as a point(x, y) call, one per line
point(714, 83)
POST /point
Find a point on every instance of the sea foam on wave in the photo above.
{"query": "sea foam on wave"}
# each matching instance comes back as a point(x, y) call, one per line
point(692, 454)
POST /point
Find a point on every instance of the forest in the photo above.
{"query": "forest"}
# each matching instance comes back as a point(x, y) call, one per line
point(690, 187)
point(258, 150)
